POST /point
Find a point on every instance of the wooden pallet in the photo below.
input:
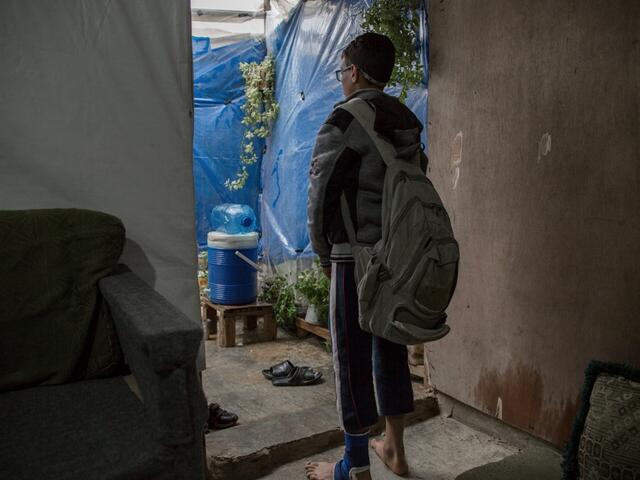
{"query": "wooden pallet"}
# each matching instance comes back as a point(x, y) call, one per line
point(417, 372)
point(304, 328)
point(221, 320)
point(416, 354)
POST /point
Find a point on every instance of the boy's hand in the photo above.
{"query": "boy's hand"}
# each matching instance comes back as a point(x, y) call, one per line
point(327, 271)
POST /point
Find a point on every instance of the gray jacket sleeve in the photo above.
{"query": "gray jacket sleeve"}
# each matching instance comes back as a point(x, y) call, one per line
point(330, 144)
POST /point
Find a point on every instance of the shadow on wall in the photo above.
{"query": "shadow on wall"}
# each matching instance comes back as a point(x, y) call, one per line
point(135, 258)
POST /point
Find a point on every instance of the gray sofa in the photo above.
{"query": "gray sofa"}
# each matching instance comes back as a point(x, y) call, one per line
point(140, 420)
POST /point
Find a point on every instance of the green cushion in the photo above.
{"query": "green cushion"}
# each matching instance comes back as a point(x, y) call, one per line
point(54, 325)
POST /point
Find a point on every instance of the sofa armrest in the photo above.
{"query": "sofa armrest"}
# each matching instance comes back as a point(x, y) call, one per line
point(160, 345)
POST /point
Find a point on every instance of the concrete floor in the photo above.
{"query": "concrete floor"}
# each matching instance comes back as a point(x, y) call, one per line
point(276, 424)
point(445, 449)
point(279, 426)
point(234, 379)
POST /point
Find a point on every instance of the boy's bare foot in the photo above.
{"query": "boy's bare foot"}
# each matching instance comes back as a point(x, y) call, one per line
point(394, 459)
point(324, 471)
point(319, 470)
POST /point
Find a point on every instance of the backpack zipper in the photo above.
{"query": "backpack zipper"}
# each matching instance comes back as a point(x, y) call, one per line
point(394, 226)
point(441, 241)
point(407, 271)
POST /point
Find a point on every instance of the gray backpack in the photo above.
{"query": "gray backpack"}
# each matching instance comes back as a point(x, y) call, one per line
point(406, 280)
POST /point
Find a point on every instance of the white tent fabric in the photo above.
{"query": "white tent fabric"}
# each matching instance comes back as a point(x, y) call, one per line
point(231, 21)
point(96, 113)
point(230, 5)
point(228, 32)
point(227, 21)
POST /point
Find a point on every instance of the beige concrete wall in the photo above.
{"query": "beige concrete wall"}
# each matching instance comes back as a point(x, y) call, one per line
point(534, 146)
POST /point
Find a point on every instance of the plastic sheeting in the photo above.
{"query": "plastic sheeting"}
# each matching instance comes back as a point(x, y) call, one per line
point(218, 98)
point(307, 48)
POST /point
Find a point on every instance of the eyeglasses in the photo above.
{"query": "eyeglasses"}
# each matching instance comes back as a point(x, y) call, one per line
point(340, 72)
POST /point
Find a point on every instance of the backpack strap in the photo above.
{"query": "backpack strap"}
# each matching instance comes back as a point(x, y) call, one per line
point(366, 116)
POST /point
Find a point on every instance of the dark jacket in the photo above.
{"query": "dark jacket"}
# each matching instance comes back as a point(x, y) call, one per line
point(346, 160)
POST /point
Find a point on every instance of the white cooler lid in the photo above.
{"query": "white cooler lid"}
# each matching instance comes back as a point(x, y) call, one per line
point(229, 241)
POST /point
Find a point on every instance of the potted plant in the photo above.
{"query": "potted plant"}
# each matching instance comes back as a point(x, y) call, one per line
point(314, 286)
point(278, 291)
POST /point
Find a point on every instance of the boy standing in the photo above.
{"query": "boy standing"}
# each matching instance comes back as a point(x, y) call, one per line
point(345, 161)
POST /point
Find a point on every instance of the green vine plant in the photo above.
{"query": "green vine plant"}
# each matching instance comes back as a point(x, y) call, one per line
point(260, 111)
point(400, 21)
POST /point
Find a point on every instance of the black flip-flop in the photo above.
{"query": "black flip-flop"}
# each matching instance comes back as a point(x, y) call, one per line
point(301, 376)
point(279, 370)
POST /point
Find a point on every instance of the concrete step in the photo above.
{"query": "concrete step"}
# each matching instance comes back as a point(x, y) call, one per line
point(254, 449)
point(443, 448)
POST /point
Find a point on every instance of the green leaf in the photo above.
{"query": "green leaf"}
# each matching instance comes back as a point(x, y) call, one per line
point(399, 20)
point(314, 285)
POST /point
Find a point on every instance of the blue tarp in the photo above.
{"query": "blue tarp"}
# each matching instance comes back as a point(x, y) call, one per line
point(307, 49)
point(218, 93)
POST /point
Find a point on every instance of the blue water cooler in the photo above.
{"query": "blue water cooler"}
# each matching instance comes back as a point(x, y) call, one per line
point(232, 277)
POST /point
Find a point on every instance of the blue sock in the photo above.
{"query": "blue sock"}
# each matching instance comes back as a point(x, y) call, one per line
point(356, 456)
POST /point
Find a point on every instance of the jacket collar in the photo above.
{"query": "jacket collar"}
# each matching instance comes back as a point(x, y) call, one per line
point(365, 94)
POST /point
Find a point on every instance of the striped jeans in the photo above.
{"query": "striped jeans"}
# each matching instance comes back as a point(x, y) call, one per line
point(362, 360)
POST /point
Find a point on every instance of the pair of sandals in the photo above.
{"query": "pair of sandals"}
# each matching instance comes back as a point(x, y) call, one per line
point(286, 374)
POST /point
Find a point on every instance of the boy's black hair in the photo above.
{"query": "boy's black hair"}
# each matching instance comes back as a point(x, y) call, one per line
point(374, 54)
